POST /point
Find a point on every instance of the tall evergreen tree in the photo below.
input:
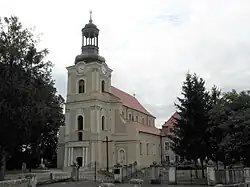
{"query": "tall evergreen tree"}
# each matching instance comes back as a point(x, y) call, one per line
point(213, 132)
point(190, 128)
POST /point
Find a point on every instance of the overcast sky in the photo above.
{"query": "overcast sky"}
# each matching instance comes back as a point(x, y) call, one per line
point(150, 44)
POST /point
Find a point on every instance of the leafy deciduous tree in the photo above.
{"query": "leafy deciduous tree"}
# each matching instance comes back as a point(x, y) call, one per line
point(30, 109)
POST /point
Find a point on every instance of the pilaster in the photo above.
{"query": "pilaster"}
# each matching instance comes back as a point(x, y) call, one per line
point(68, 160)
point(97, 80)
point(67, 120)
point(71, 155)
point(93, 81)
point(92, 119)
point(95, 119)
point(93, 152)
point(65, 160)
point(98, 116)
point(83, 156)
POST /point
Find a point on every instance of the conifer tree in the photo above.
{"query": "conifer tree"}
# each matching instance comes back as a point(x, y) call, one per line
point(190, 140)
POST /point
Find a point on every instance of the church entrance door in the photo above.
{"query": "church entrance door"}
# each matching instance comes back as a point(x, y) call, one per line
point(79, 161)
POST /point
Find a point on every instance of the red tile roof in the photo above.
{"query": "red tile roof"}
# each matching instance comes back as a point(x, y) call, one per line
point(147, 129)
point(171, 120)
point(129, 100)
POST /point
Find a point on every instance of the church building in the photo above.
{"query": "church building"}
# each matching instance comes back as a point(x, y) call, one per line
point(104, 124)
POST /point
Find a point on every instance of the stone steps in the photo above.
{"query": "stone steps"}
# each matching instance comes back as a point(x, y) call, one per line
point(91, 176)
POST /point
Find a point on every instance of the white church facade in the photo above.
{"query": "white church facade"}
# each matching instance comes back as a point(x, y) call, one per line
point(104, 124)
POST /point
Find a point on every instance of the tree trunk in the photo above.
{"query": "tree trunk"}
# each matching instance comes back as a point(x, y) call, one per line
point(2, 163)
point(196, 171)
point(202, 169)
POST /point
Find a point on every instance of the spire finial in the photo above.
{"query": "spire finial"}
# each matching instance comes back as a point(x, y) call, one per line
point(90, 16)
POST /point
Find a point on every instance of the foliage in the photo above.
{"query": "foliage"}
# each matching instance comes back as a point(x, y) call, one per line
point(30, 109)
point(211, 124)
point(232, 116)
point(190, 139)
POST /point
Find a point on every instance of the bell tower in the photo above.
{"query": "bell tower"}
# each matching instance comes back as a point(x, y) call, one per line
point(90, 49)
point(89, 114)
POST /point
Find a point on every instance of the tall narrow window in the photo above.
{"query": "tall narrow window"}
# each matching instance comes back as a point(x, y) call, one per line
point(136, 118)
point(142, 120)
point(103, 86)
point(80, 122)
point(154, 149)
point(103, 123)
point(171, 130)
point(81, 86)
point(147, 148)
point(79, 136)
point(140, 148)
point(130, 117)
point(167, 146)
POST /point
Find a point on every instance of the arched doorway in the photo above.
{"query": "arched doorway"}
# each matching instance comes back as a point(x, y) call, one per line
point(122, 156)
point(79, 161)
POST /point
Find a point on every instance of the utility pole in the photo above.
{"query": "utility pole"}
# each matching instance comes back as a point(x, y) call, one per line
point(107, 150)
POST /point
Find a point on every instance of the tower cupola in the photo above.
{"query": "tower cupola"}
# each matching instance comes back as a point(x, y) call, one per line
point(90, 49)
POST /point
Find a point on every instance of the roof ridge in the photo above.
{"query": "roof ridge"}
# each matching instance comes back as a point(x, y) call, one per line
point(123, 92)
point(171, 117)
point(127, 103)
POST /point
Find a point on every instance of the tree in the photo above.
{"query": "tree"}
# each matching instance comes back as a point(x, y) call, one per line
point(231, 120)
point(214, 133)
point(190, 139)
point(30, 109)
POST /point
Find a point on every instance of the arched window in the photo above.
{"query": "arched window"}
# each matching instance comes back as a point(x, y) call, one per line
point(149, 122)
point(121, 156)
point(80, 122)
point(81, 86)
point(130, 117)
point(103, 86)
point(103, 123)
point(79, 136)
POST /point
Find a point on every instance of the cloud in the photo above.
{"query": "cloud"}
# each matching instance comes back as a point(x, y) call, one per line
point(149, 44)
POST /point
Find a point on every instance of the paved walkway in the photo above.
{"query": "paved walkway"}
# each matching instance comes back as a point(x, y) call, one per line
point(92, 184)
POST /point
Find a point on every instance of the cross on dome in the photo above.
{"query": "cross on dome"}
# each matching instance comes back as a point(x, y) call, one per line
point(90, 16)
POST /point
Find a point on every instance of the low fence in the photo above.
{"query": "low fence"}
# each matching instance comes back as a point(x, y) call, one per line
point(191, 176)
point(229, 176)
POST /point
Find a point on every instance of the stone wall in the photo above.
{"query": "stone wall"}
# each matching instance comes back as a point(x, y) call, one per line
point(18, 183)
point(41, 178)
